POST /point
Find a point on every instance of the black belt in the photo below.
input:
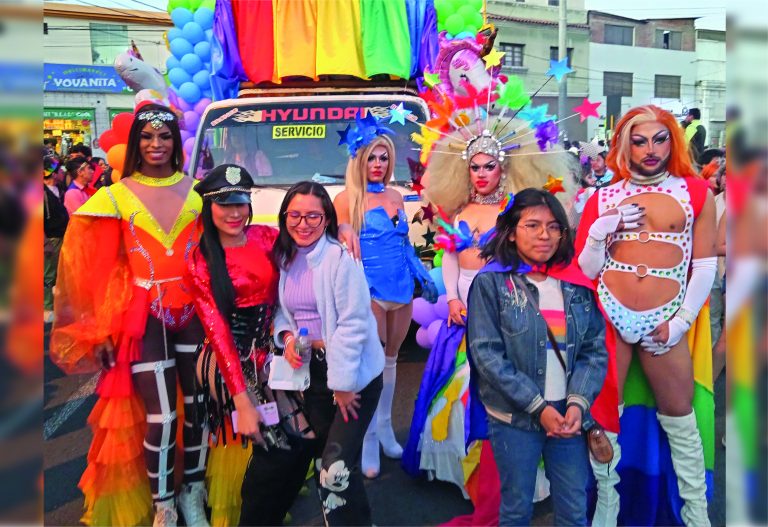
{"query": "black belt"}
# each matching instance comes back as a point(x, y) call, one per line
point(319, 354)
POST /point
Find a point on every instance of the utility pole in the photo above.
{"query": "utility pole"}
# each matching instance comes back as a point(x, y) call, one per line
point(562, 27)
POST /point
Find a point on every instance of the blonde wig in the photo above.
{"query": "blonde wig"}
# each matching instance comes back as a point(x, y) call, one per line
point(356, 181)
point(447, 182)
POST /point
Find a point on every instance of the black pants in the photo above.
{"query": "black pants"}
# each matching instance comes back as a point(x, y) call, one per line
point(339, 445)
point(272, 481)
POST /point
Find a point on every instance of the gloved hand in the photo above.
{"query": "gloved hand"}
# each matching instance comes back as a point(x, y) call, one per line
point(429, 291)
point(661, 339)
point(621, 218)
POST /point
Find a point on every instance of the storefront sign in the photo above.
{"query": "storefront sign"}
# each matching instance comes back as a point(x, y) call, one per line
point(116, 111)
point(75, 78)
point(72, 114)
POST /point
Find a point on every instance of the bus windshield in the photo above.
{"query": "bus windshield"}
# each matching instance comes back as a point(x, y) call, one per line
point(287, 140)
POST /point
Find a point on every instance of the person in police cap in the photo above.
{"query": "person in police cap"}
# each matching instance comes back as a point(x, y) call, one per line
point(233, 281)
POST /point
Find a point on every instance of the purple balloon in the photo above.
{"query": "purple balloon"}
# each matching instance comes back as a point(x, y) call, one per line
point(433, 330)
point(441, 307)
point(422, 338)
point(423, 312)
point(201, 105)
point(191, 120)
point(186, 164)
point(185, 135)
point(189, 144)
point(181, 104)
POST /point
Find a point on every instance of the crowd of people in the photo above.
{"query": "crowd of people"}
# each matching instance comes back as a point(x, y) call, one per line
point(560, 313)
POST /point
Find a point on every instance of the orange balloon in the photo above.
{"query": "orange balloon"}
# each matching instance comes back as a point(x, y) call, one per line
point(116, 175)
point(116, 157)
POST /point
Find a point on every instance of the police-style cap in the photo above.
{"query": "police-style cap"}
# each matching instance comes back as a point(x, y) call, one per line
point(226, 185)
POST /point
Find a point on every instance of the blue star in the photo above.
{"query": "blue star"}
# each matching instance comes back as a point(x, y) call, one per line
point(559, 69)
point(398, 115)
point(534, 114)
point(343, 135)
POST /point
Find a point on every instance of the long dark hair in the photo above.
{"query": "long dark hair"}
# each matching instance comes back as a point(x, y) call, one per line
point(132, 154)
point(284, 249)
point(505, 252)
point(213, 252)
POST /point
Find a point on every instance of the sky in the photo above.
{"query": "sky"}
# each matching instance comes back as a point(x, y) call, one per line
point(712, 12)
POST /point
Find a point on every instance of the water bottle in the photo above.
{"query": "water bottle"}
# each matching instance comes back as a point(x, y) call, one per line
point(304, 346)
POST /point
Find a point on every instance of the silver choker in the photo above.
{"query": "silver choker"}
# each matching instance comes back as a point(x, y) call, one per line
point(647, 181)
point(494, 198)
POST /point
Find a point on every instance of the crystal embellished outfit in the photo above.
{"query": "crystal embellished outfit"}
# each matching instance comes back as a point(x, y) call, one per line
point(233, 359)
point(138, 300)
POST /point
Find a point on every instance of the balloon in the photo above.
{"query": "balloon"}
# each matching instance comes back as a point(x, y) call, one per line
point(477, 5)
point(116, 175)
point(191, 63)
point(422, 338)
point(476, 21)
point(440, 7)
point(204, 17)
point(441, 307)
point(193, 32)
point(141, 105)
point(179, 103)
point(185, 135)
point(191, 120)
point(437, 277)
point(178, 76)
point(181, 47)
point(175, 4)
point(208, 93)
point(433, 330)
point(189, 144)
point(203, 79)
point(147, 95)
point(453, 24)
point(466, 11)
point(107, 140)
point(437, 261)
point(173, 34)
point(209, 35)
point(181, 16)
point(121, 125)
point(423, 312)
point(208, 4)
point(203, 50)
point(201, 105)
point(186, 164)
point(116, 157)
point(190, 92)
point(172, 62)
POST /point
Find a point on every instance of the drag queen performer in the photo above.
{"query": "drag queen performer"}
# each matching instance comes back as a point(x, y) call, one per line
point(377, 213)
point(135, 319)
point(233, 282)
point(649, 240)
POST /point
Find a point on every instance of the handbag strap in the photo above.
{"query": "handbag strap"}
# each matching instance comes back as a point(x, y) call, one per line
point(520, 284)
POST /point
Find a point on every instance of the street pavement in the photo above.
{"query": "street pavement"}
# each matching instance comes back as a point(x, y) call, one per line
point(395, 497)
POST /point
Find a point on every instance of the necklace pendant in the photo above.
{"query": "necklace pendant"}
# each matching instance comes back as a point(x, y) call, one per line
point(169, 252)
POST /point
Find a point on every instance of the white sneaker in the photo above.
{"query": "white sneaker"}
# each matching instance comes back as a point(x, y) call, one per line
point(165, 514)
point(192, 500)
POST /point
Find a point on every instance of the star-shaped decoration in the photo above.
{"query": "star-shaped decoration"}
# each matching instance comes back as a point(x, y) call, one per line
point(398, 114)
point(559, 69)
point(554, 184)
point(431, 79)
point(343, 135)
point(427, 213)
point(534, 114)
point(417, 219)
point(587, 109)
point(493, 58)
point(429, 237)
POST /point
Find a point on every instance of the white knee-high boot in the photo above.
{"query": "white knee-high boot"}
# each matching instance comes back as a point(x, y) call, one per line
point(688, 460)
point(607, 507)
point(370, 461)
point(383, 418)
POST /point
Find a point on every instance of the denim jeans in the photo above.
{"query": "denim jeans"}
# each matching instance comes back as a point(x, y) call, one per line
point(517, 453)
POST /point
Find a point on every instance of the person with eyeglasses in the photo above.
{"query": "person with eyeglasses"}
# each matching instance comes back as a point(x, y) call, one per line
point(536, 346)
point(323, 289)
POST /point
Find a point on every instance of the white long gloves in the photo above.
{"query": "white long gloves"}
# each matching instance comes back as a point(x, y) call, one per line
point(592, 258)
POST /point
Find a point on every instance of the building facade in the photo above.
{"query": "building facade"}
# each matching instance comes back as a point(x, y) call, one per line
point(528, 34)
point(710, 83)
point(635, 62)
point(82, 92)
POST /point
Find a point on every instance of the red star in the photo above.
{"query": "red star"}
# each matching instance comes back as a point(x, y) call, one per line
point(427, 213)
point(554, 185)
point(587, 109)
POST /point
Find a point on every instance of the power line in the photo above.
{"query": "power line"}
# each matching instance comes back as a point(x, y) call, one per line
point(154, 8)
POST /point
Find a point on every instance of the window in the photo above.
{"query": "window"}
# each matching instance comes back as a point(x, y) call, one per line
point(107, 42)
point(669, 39)
point(514, 54)
point(667, 87)
point(554, 54)
point(553, 2)
point(620, 35)
point(520, 1)
point(45, 28)
point(615, 83)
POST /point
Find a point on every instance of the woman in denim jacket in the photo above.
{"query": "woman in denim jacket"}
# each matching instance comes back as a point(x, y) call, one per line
point(536, 405)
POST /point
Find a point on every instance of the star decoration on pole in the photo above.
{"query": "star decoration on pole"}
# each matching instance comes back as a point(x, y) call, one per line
point(587, 109)
point(398, 114)
point(429, 237)
point(431, 79)
point(493, 58)
point(535, 114)
point(559, 69)
point(427, 213)
point(554, 184)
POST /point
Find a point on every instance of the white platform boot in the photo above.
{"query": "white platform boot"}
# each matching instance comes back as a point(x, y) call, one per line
point(383, 418)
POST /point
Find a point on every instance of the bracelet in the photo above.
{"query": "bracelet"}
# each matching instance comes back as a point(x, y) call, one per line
point(686, 316)
point(595, 243)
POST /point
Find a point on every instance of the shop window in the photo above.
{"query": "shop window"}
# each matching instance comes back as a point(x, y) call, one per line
point(619, 35)
point(667, 87)
point(107, 42)
point(617, 83)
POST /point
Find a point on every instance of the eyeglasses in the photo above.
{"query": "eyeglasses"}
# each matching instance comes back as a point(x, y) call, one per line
point(313, 219)
point(554, 230)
